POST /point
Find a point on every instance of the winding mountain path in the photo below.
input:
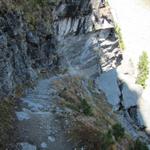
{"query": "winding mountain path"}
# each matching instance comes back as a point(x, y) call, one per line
point(39, 125)
point(133, 17)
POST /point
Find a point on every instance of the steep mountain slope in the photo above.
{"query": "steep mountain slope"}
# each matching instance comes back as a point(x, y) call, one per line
point(69, 51)
point(56, 101)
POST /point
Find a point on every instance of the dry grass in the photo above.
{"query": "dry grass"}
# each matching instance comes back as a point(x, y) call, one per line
point(89, 129)
point(93, 132)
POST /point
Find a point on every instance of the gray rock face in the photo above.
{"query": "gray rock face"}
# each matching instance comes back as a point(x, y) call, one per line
point(84, 38)
point(73, 8)
point(107, 82)
point(22, 52)
point(80, 55)
point(78, 17)
point(131, 94)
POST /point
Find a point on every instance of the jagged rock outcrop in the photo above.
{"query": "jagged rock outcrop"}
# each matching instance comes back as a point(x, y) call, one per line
point(83, 37)
point(23, 52)
point(84, 17)
point(80, 41)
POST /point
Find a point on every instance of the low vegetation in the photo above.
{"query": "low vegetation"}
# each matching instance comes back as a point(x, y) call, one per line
point(86, 108)
point(93, 126)
point(7, 120)
point(119, 34)
point(34, 12)
point(118, 131)
point(91, 138)
point(94, 139)
point(138, 145)
point(143, 70)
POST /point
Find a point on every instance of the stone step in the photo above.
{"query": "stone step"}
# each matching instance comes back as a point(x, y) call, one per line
point(27, 146)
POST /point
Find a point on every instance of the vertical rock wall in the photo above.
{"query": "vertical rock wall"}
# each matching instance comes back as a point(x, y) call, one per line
point(23, 51)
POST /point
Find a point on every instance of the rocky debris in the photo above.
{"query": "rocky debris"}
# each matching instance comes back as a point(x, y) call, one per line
point(43, 126)
point(43, 145)
point(22, 116)
point(108, 83)
point(32, 105)
point(32, 38)
point(27, 146)
point(51, 139)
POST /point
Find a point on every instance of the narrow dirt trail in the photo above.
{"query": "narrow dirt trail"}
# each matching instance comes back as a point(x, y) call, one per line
point(39, 126)
point(133, 19)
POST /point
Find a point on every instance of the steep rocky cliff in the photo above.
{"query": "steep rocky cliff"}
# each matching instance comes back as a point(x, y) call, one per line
point(28, 41)
point(75, 45)
point(24, 49)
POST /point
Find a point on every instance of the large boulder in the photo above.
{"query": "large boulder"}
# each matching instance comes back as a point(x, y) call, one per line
point(107, 82)
point(131, 94)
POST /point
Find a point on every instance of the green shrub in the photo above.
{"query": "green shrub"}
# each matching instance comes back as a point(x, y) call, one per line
point(92, 138)
point(143, 69)
point(138, 145)
point(86, 108)
point(6, 123)
point(118, 131)
point(121, 42)
point(107, 140)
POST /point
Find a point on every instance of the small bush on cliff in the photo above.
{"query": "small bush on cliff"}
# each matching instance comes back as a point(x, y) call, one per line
point(121, 42)
point(118, 131)
point(90, 138)
point(86, 108)
point(107, 140)
point(143, 69)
